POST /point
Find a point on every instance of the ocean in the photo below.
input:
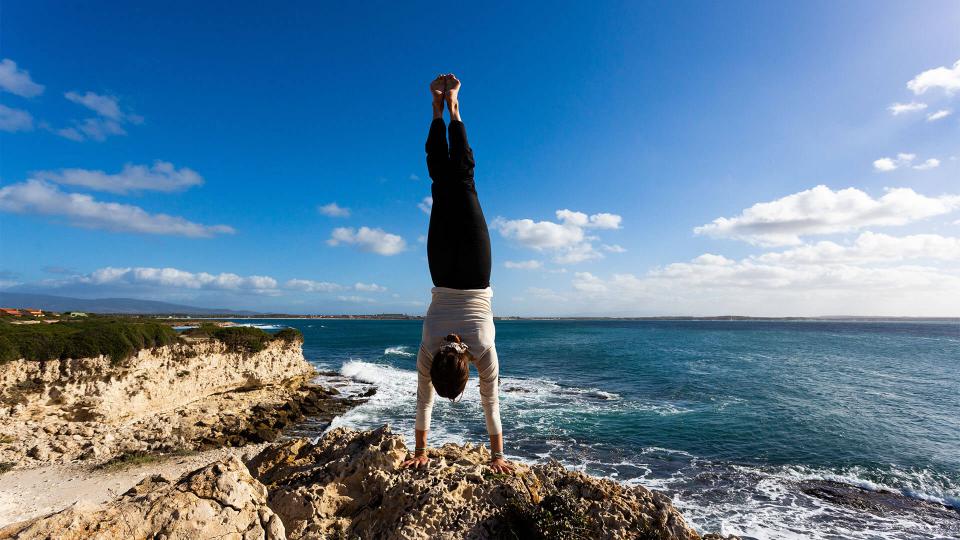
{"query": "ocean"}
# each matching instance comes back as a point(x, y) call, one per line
point(738, 421)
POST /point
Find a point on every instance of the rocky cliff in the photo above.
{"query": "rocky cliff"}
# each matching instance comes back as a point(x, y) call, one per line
point(349, 485)
point(182, 397)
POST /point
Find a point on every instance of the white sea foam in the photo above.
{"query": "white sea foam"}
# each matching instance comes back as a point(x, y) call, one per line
point(921, 485)
point(262, 326)
point(399, 350)
point(762, 503)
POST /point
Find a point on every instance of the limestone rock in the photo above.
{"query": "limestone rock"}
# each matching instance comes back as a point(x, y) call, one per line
point(90, 409)
point(350, 485)
point(220, 500)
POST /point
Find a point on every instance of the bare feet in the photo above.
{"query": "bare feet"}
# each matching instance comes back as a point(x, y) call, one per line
point(451, 95)
point(452, 87)
point(437, 87)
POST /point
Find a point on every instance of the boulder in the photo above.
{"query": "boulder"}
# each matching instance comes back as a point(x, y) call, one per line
point(220, 500)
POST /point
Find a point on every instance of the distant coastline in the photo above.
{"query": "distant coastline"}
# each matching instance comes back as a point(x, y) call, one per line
point(720, 318)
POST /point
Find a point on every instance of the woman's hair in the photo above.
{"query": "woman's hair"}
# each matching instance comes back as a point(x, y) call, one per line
point(451, 367)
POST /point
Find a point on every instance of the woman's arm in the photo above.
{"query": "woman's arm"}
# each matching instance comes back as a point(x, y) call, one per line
point(424, 410)
point(419, 458)
point(488, 367)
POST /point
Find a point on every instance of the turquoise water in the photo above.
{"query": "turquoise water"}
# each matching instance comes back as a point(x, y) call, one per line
point(726, 417)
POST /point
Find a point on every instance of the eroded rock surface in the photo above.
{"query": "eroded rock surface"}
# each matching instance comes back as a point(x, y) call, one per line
point(178, 398)
point(350, 485)
point(220, 500)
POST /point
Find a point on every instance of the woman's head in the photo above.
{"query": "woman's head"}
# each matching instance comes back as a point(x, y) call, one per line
point(451, 367)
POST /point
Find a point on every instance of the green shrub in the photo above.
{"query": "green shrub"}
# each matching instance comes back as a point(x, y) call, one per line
point(117, 338)
point(243, 338)
point(289, 335)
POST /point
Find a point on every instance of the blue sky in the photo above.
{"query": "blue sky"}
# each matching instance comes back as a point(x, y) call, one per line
point(695, 134)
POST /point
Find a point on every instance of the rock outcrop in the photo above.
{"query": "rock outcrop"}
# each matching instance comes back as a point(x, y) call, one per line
point(220, 500)
point(151, 381)
point(171, 399)
point(350, 485)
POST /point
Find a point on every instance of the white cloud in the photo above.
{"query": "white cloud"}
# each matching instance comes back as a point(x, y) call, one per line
point(161, 176)
point(931, 163)
point(227, 281)
point(942, 77)
point(942, 113)
point(13, 120)
point(354, 299)
point(110, 119)
point(367, 239)
point(540, 234)
point(333, 210)
point(369, 287)
point(414, 177)
point(426, 205)
point(97, 129)
point(602, 220)
point(39, 197)
point(567, 239)
point(577, 253)
point(106, 106)
point(523, 265)
point(715, 285)
point(70, 133)
point(176, 278)
point(821, 211)
point(614, 248)
point(307, 285)
point(17, 81)
point(887, 164)
point(869, 247)
point(901, 108)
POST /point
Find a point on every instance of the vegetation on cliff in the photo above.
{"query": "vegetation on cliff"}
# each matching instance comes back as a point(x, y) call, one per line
point(119, 338)
point(243, 338)
point(116, 338)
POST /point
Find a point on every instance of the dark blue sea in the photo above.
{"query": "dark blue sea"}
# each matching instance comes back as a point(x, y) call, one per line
point(730, 418)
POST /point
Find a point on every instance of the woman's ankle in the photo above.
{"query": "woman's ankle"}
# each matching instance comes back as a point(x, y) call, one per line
point(454, 107)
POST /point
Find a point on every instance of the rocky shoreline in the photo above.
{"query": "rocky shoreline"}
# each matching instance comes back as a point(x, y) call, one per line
point(197, 424)
point(349, 484)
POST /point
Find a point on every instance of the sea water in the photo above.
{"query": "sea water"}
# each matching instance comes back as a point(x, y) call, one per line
point(727, 417)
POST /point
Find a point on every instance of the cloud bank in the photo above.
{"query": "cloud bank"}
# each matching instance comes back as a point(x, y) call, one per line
point(821, 211)
point(162, 176)
point(39, 197)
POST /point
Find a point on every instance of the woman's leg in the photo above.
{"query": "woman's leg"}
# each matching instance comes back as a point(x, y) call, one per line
point(473, 239)
point(458, 242)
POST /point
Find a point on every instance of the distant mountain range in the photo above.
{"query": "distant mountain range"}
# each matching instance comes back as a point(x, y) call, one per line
point(106, 305)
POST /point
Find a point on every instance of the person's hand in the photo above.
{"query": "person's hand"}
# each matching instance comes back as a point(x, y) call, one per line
point(416, 462)
point(500, 465)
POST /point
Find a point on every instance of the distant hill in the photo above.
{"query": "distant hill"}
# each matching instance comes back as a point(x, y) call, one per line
point(106, 305)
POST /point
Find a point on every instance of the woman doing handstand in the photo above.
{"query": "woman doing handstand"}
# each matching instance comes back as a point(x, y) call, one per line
point(458, 328)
